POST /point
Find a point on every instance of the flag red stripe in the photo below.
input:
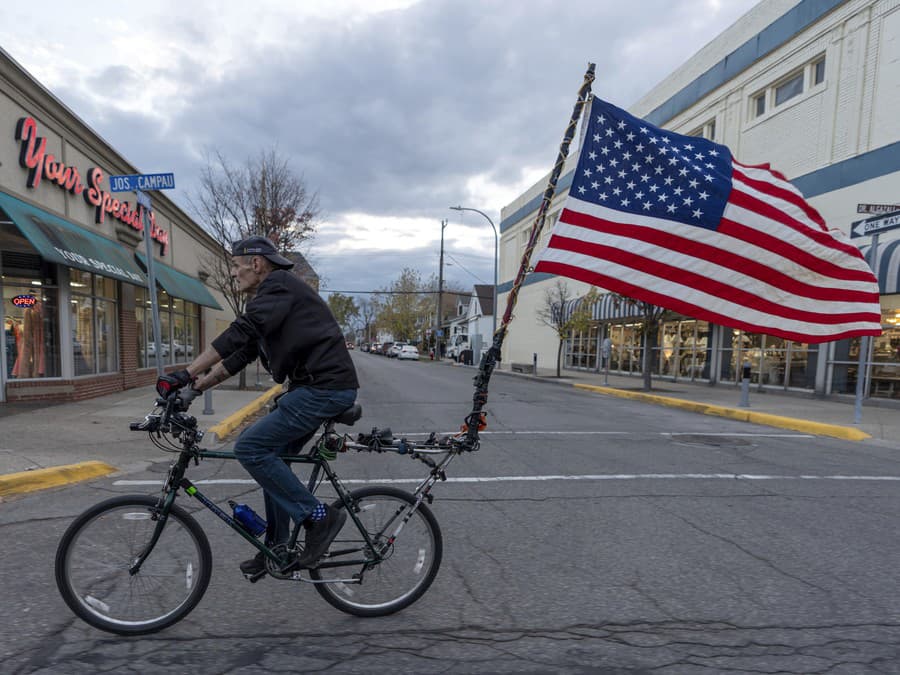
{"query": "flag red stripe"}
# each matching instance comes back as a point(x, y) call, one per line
point(688, 309)
point(791, 252)
point(756, 205)
point(725, 258)
point(704, 283)
point(782, 192)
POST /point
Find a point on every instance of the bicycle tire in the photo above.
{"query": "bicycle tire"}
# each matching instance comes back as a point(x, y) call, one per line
point(98, 548)
point(410, 566)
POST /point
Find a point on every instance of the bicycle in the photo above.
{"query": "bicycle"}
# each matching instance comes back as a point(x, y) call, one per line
point(136, 564)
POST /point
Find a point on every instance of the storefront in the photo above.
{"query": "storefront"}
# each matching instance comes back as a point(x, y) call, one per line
point(688, 349)
point(75, 304)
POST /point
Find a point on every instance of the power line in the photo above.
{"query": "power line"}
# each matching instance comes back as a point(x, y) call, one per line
point(464, 268)
point(331, 290)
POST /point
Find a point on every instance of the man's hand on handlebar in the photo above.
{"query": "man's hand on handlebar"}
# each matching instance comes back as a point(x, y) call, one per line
point(167, 384)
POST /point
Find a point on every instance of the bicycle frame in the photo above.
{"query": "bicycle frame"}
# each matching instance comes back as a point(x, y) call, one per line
point(176, 479)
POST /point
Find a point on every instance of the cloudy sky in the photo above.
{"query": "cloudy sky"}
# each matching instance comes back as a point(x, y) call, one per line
point(392, 110)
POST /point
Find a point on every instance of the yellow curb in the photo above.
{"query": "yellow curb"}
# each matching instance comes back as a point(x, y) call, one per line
point(54, 476)
point(234, 420)
point(818, 428)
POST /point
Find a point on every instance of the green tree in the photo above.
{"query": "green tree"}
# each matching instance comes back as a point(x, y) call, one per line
point(344, 309)
point(402, 306)
point(552, 313)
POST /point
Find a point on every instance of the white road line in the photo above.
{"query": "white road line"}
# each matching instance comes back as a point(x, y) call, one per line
point(603, 433)
point(586, 477)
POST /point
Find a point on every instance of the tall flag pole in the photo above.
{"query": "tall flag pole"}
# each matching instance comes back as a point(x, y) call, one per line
point(476, 419)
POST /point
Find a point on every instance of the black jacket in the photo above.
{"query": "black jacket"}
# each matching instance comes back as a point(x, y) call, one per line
point(293, 332)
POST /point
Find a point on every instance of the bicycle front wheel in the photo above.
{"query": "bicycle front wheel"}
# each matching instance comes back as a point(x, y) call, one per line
point(411, 554)
point(95, 556)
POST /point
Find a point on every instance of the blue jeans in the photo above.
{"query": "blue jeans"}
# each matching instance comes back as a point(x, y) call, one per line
point(260, 446)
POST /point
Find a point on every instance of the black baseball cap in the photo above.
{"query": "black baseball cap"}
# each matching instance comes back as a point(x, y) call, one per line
point(261, 246)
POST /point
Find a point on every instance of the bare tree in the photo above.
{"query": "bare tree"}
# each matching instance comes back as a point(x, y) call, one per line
point(553, 314)
point(651, 316)
point(367, 311)
point(262, 196)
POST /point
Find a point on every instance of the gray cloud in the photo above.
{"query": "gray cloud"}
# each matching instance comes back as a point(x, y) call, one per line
point(390, 115)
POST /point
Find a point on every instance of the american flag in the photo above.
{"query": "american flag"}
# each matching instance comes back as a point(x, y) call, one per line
point(675, 221)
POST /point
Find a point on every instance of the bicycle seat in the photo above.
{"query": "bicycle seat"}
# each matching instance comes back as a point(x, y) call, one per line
point(349, 416)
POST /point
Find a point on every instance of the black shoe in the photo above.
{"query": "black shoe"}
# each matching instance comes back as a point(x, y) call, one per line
point(320, 535)
point(255, 565)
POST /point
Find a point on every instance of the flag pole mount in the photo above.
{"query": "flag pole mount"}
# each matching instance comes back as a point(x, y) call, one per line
point(476, 419)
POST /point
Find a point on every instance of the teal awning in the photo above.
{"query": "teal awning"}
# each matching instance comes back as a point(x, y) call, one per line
point(65, 243)
point(180, 285)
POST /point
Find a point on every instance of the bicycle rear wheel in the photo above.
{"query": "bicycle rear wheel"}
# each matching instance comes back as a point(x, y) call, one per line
point(410, 563)
point(100, 546)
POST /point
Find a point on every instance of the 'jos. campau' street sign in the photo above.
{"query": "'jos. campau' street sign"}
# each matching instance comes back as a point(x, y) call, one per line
point(877, 208)
point(875, 225)
point(142, 181)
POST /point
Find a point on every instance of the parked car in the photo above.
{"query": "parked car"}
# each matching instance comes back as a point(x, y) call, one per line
point(182, 350)
point(408, 353)
point(385, 348)
point(394, 351)
point(151, 350)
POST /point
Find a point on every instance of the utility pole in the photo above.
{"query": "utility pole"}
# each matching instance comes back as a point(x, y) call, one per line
point(438, 338)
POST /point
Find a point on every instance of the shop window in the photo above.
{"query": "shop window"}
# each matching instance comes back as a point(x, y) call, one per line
point(93, 311)
point(774, 361)
point(30, 329)
point(179, 324)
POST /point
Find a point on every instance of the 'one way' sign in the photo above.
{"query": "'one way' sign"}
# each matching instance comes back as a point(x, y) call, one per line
point(875, 225)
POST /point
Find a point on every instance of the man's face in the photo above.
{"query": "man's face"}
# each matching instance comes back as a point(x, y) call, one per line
point(247, 271)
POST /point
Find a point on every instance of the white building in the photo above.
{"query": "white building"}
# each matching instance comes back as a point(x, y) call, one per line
point(810, 86)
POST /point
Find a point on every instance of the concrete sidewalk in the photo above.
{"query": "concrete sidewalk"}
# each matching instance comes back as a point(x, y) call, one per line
point(45, 445)
point(798, 411)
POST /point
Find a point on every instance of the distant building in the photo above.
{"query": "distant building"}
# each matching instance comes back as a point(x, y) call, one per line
point(303, 269)
point(810, 86)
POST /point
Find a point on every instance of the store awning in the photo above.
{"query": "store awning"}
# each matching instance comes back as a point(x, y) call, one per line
point(888, 271)
point(65, 243)
point(180, 285)
point(607, 307)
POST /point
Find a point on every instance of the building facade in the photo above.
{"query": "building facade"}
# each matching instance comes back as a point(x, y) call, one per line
point(811, 87)
point(73, 262)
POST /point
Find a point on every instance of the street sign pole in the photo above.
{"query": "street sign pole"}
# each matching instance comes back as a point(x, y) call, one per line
point(144, 200)
point(139, 184)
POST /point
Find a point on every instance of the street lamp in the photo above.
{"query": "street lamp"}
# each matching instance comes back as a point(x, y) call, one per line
point(496, 244)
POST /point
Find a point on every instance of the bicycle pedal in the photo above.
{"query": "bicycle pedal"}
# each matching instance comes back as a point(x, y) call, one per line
point(253, 578)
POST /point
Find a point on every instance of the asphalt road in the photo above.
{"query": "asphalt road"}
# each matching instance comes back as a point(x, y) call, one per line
point(602, 535)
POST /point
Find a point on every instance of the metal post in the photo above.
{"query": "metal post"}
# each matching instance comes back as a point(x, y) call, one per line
point(745, 386)
point(864, 347)
point(534, 364)
point(496, 259)
point(207, 403)
point(144, 200)
point(438, 338)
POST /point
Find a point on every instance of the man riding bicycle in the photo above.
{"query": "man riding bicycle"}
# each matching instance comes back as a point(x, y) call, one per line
point(288, 326)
